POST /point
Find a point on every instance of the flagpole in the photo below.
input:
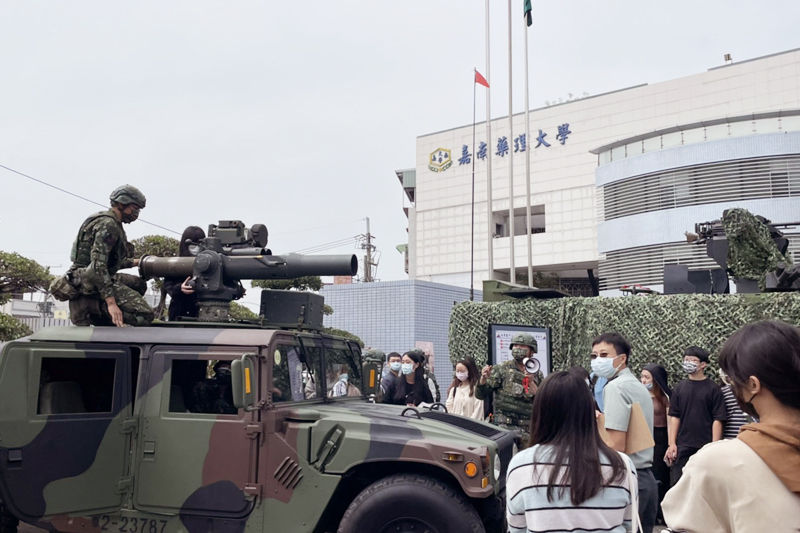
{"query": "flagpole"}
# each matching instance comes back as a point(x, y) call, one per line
point(512, 268)
point(489, 205)
point(472, 223)
point(528, 158)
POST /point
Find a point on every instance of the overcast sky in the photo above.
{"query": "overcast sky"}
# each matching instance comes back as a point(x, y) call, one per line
point(297, 114)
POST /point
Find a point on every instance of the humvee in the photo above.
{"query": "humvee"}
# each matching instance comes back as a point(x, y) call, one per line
point(203, 427)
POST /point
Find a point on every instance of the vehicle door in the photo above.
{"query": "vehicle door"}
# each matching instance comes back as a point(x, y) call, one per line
point(65, 428)
point(196, 453)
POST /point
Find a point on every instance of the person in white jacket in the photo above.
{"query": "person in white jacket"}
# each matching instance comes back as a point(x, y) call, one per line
point(750, 484)
point(461, 398)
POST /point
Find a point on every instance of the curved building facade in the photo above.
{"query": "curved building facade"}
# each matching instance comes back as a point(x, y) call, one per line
point(616, 180)
point(653, 188)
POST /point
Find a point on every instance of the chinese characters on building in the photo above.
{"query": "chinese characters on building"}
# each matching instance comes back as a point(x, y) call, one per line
point(520, 145)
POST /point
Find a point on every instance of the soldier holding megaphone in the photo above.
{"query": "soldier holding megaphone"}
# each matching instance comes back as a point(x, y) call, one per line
point(514, 384)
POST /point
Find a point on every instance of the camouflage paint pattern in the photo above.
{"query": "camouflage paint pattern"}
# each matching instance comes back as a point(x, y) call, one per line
point(144, 467)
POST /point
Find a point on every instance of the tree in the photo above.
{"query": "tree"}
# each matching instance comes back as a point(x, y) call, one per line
point(19, 274)
point(241, 312)
point(345, 334)
point(11, 328)
point(161, 246)
point(304, 283)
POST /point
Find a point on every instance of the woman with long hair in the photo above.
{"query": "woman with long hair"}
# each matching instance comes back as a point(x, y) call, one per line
point(569, 479)
point(752, 482)
point(410, 387)
point(183, 299)
point(654, 378)
point(461, 398)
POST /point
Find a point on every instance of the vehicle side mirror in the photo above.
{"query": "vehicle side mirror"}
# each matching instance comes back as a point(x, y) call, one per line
point(243, 381)
point(372, 378)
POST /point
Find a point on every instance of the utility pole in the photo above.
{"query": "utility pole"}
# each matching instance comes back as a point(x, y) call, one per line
point(368, 264)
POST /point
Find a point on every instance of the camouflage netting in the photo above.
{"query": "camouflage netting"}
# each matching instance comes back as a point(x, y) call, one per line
point(657, 327)
point(751, 251)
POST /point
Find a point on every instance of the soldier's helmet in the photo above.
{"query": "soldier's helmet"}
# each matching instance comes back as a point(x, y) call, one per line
point(128, 194)
point(525, 339)
point(375, 355)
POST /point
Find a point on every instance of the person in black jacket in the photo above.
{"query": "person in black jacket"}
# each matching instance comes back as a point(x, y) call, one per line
point(184, 299)
point(410, 387)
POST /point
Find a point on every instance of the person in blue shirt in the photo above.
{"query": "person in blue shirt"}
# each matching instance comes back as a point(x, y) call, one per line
point(598, 384)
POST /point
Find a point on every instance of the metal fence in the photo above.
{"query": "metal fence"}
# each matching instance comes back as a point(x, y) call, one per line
point(36, 323)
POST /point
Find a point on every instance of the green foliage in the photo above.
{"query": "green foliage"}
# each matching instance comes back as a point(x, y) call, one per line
point(241, 312)
point(658, 328)
point(11, 328)
point(343, 333)
point(161, 246)
point(158, 245)
point(327, 310)
point(305, 283)
point(19, 274)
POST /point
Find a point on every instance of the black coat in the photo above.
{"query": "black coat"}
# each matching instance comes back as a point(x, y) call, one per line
point(400, 392)
point(181, 305)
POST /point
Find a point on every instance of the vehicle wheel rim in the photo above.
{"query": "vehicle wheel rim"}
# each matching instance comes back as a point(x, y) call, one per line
point(408, 525)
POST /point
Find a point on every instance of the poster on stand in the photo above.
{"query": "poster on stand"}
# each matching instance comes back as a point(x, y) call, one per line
point(500, 336)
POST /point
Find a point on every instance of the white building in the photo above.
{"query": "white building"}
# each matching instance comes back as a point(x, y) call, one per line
point(624, 176)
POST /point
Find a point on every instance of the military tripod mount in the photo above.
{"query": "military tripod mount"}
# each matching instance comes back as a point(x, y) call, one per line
point(678, 279)
point(231, 253)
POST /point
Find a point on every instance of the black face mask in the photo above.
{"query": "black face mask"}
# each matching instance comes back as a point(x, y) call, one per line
point(746, 406)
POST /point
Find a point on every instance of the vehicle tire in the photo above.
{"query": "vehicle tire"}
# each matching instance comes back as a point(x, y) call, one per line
point(8, 523)
point(410, 503)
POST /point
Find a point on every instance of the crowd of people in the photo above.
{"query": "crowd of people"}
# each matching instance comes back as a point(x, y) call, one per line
point(720, 458)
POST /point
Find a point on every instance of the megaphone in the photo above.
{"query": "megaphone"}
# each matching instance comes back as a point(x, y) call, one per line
point(531, 365)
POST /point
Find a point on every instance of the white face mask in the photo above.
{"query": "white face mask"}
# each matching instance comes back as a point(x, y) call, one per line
point(648, 386)
point(604, 367)
point(408, 368)
point(462, 376)
point(395, 366)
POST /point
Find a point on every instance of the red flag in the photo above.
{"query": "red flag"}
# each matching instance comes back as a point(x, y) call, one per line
point(480, 79)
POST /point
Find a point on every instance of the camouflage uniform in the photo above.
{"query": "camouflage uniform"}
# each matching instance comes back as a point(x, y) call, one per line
point(512, 399)
point(100, 250)
point(513, 389)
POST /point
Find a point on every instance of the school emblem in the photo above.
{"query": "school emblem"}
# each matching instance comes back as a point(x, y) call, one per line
point(440, 160)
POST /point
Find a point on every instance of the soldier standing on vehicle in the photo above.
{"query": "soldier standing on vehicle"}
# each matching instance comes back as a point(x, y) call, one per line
point(513, 388)
point(101, 249)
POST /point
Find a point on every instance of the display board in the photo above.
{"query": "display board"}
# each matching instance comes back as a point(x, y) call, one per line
point(500, 336)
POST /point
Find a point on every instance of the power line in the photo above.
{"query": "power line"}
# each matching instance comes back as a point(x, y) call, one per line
point(326, 246)
point(79, 196)
point(321, 227)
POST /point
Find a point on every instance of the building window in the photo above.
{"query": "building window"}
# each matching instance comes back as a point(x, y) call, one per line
point(520, 226)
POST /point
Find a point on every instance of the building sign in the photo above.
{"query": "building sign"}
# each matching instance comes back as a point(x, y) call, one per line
point(500, 336)
point(438, 163)
point(440, 160)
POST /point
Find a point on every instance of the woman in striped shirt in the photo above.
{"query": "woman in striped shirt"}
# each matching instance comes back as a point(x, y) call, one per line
point(569, 479)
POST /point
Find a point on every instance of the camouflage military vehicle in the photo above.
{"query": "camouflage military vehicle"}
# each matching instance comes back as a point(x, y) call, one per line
point(227, 427)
